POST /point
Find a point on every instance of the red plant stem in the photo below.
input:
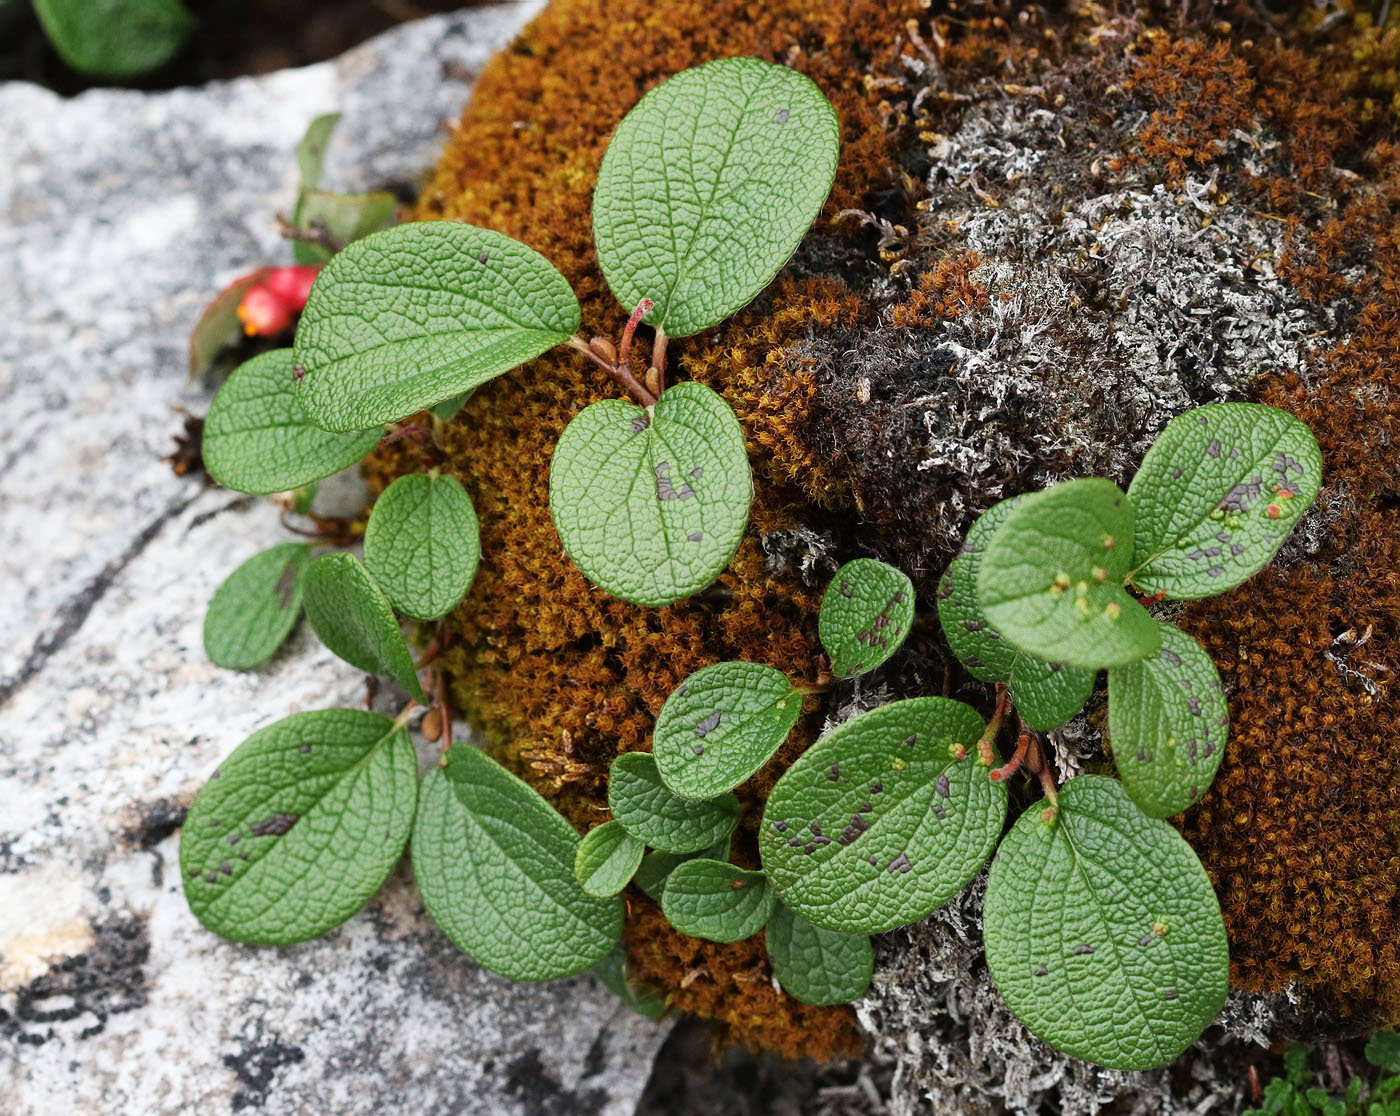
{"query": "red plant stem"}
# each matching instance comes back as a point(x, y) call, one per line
point(619, 372)
point(985, 755)
point(1011, 766)
point(658, 359)
point(1047, 779)
point(625, 348)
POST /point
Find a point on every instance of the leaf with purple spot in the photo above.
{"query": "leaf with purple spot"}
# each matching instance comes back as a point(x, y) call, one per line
point(866, 612)
point(1167, 725)
point(721, 725)
point(1216, 496)
point(884, 818)
point(651, 503)
point(1102, 931)
point(299, 826)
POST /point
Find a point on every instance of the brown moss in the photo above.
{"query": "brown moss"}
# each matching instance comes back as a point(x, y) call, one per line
point(1301, 830)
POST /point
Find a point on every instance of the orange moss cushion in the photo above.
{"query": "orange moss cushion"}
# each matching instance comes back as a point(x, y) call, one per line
point(1302, 832)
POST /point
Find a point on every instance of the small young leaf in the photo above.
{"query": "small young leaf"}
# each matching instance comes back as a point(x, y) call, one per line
point(495, 864)
point(884, 818)
point(656, 867)
point(607, 858)
point(422, 544)
point(716, 901)
point(1048, 694)
point(1217, 494)
point(345, 218)
point(256, 607)
point(865, 615)
point(450, 408)
point(115, 38)
point(1167, 723)
point(651, 813)
point(416, 314)
point(815, 965)
point(708, 186)
point(1102, 931)
point(616, 974)
point(978, 645)
point(721, 725)
point(1383, 1051)
point(311, 148)
point(299, 826)
point(1051, 578)
point(651, 506)
point(352, 617)
point(257, 440)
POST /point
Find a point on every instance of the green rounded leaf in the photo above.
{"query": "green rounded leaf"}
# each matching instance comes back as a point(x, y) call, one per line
point(299, 826)
point(815, 965)
point(656, 867)
point(1051, 578)
point(866, 613)
point(495, 864)
point(606, 859)
point(978, 646)
point(352, 617)
point(884, 818)
point(422, 544)
point(256, 607)
point(708, 186)
point(651, 504)
point(716, 901)
point(416, 314)
point(651, 813)
point(257, 440)
point(115, 38)
point(1048, 694)
point(1102, 931)
point(721, 725)
point(1217, 494)
point(1167, 724)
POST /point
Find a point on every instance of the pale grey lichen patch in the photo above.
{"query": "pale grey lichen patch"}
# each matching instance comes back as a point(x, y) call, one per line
point(1112, 305)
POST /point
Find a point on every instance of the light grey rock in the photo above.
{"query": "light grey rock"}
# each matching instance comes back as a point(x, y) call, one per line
point(120, 214)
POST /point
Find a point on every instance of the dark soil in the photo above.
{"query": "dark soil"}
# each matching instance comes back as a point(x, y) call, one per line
point(232, 37)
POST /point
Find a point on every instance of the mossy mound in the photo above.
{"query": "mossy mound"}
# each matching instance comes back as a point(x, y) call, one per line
point(1048, 236)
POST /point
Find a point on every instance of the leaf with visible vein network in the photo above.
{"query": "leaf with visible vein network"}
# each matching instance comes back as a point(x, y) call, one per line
point(721, 725)
point(651, 813)
point(352, 617)
point(651, 505)
point(815, 965)
point(1051, 578)
point(708, 186)
point(1048, 694)
point(256, 607)
point(419, 313)
point(1217, 494)
point(422, 544)
point(299, 826)
point(656, 867)
point(884, 818)
point(1102, 930)
point(257, 440)
point(978, 646)
point(1167, 724)
point(607, 858)
point(495, 864)
point(865, 614)
point(716, 901)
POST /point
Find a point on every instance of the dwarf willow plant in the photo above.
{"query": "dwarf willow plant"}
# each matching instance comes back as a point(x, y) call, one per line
point(1103, 932)
point(704, 193)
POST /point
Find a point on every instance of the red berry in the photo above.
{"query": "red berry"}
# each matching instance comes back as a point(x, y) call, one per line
point(292, 284)
point(262, 313)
